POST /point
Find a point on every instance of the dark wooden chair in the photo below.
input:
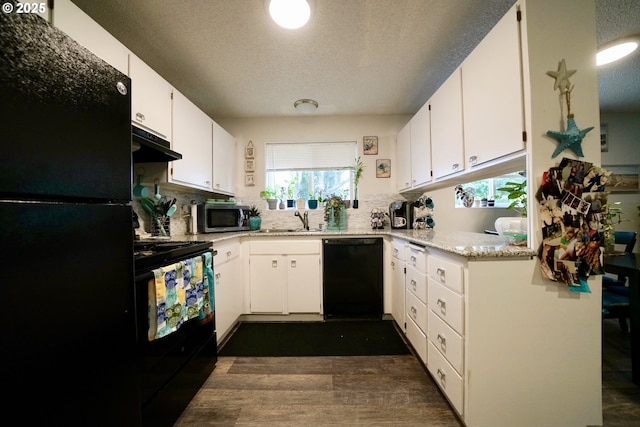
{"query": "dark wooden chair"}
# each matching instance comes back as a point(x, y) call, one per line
point(615, 292)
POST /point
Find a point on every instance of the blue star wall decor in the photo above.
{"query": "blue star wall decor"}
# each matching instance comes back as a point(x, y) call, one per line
point(571, 138)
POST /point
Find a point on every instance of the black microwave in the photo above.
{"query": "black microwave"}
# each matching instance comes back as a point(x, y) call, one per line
point(217, 218)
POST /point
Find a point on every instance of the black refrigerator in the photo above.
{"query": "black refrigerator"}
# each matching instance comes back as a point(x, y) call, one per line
point(66, 285)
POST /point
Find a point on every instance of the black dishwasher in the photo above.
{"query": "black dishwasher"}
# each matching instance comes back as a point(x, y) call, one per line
point(352, 278)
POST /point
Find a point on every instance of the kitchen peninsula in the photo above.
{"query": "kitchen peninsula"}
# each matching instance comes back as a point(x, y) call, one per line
point(490, 332)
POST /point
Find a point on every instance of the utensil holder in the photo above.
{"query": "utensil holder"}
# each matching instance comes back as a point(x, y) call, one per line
point(160, 225)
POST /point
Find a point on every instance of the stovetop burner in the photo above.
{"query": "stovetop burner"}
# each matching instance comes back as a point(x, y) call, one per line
point(150, 254)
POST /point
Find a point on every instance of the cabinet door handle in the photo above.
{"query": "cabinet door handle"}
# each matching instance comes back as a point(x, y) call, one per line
point(455, 166)
point(140, 117)
point(473, 160)
point(413, 260)
point(228, 254)
point(413, 284)
point(293, 263)
point(217, 276)
point(274, 263)
point(414, 312)
point(393, 264)
point(442, 274)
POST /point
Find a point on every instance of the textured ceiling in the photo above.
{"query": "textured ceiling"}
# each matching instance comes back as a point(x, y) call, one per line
point(354, 57)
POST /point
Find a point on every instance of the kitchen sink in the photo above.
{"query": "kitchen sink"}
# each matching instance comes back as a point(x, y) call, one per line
point(288, 230)
point(276, 230)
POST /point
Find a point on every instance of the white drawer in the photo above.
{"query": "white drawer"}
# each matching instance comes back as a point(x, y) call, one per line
point(447, 304)
point(397, 248)
point(283, 247)
point(417, 311)
point(416, 256)
point(446, 377)
point(417, 338)
point(226, 252)
point(446, 272)
point(416, 282)
point(445, 339)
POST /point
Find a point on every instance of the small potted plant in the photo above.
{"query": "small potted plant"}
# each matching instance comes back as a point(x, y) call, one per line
point(357, 175)
point(334, 213)
point(269, 195)
point(254, 218)
point(312, 201)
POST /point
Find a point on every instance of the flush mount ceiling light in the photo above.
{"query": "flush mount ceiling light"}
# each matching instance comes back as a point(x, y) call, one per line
point(305, 106)
point(617, 49)
point(290, 14)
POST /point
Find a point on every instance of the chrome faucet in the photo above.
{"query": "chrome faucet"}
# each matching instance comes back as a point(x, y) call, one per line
point(304, 218)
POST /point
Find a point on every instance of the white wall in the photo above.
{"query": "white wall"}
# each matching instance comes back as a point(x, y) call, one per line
point(623, 132)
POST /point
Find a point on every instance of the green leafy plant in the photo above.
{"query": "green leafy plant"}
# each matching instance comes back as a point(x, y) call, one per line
point(517, 193)
point(254, 211)
point(268, 193)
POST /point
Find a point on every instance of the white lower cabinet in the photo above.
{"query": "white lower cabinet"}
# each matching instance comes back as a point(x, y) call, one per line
point(285, 276)
point(398, 289)
point(446, 327)
point(447, 378)
point(416, 298)
point(228, 287)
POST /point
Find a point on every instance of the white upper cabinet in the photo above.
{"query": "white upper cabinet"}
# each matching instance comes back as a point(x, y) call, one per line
point(150, 98)
point(420, 147)
point(447, 145)
point(78, 25)
point(493, 100)
point(224, 160)
point(192, 137)
point(404, 158)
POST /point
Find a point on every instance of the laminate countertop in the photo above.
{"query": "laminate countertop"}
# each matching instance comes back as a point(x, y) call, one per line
point(467, 244)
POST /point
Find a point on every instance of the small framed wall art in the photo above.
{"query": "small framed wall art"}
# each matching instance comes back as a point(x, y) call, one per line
point(383, 168)
point(370, 144)
point(249, 151)
point(249, 165)
point(249, 179)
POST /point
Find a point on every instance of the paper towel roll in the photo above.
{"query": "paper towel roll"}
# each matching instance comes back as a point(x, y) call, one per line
point(193, 219)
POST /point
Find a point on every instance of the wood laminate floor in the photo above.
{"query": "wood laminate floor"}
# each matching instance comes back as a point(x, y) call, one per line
point(367, 391)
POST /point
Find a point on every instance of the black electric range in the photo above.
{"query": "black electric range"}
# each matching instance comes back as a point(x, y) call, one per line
point(150, 254)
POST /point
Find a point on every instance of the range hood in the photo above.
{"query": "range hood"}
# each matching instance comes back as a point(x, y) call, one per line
point(148, 148)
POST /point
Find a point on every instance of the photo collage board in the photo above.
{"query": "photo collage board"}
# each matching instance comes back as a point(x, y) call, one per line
point(572, 201)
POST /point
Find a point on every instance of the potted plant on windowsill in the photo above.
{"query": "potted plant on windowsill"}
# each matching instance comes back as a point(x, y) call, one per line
point(254, 218)
point(269, 195)
point(357, 175)
point(313, 201)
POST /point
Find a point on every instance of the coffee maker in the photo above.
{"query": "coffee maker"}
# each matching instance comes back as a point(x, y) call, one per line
point(400, 214)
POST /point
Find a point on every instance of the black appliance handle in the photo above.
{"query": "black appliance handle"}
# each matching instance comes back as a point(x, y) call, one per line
point(348, 241)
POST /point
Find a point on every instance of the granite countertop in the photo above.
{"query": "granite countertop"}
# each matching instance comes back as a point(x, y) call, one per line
point(463, 243)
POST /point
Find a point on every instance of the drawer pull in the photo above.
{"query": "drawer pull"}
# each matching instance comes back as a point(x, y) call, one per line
point(441, 375)
point(274, 263)
point(413, 260)
point(218, 276)
point(228, 254)
point(413, 283)
point(473, 160)
point(455, 166)
point(395, 251)
point(140, 117)
point(393, 264)
point(442, 340)
point(414, 312)
point(442, 274)
point(293, 263)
